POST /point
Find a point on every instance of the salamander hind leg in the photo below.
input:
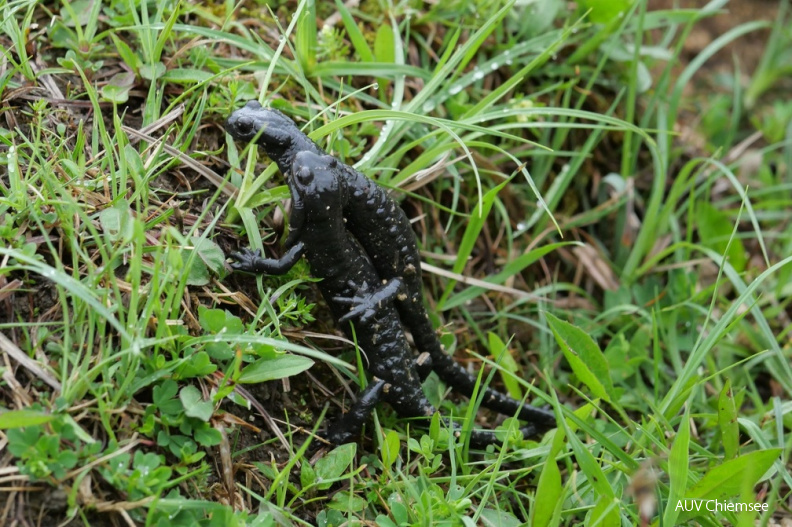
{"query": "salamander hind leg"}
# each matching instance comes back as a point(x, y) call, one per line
point(348, 427)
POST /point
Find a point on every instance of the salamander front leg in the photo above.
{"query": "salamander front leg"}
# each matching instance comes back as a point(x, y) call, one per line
point(251, 261)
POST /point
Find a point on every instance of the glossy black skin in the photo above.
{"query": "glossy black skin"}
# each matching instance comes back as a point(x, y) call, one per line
point(385, 233)
point(346, 272)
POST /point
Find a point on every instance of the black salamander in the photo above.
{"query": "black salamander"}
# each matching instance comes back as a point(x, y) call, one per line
point(346, 272)
point(385, 233)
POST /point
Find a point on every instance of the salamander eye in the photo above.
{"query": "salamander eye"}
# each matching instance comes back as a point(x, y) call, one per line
point(244, 124)
point(304, 176)
point(333, 162)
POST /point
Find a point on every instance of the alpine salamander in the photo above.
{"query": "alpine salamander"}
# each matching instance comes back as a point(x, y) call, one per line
point(346, 272)
point(385, 233)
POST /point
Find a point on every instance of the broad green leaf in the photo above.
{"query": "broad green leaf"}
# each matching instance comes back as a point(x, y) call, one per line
point(383, 44)
point(307, 475)
point(434, 426)
point(194, 405)
point(727, 421)
point(197, 365)
point(268, 369)
point(134, 164)
point(729, 478)
point(152, 72)
point(498, 518)
point(22, 418)
point(333, 465)
point(398, 508)
point(117, 88)
point(584, 356)
point(390, 448)
point(347, 501)
point(208, 257)
point(384, 521)
point(548, 493)
point(219, 321)
point(116, 221)
point(605, 513)
point(164, 398)
point(208, 436)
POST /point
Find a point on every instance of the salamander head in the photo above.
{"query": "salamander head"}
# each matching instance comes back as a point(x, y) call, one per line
point(278, 133)
point(315, 182)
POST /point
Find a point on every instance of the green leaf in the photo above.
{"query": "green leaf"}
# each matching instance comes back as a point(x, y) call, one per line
point(500, 353)
point(731, 477)
point(604, 11)
point(347, 501)
point(355, 35)
point(22, 418)
point(588, 464)
point(267, 369)
point(678, 463)
point(334, 464)
point(163, 396)
point(116, 222)
point(68, 459)
point(390, 448)
point(715, 229)
point(306, 40)
point(187, 76)
point(152, 72)
point(434, 427)
point(605, 513)
point(117, 88)
point(548, 493)
point(727, 421)
point(197, 365)
point(207, 256)
point(498, 518)
point(584, 356)
point(218, 321)
point(307, 475)
point(383, 44)
point(209, 252)
point(194, 405)
point(126, 53)
point(382, 520)
point(398, 509)
point(207, 436)
point(134, 164)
